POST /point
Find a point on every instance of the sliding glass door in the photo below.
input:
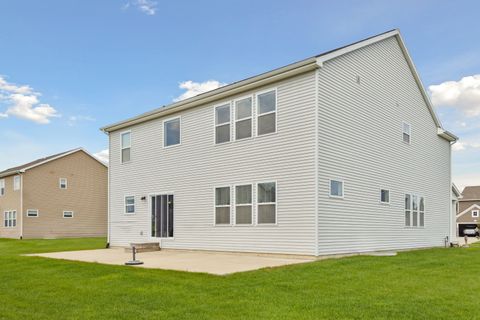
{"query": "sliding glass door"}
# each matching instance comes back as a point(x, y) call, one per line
point(162, 216)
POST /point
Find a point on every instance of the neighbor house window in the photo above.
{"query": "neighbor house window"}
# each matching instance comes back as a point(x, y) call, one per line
point(266, 112)
point(266, 203)
point(414, 211)
point(129, 204)
point(336, 188)
point(243, 118)
point(222, 205)
point(222, 123)
point(68, 214)
point(63, 183)
point(126, 146)
point(475, 214)
point(407, 132)
point(385, 196)
point(32, 213)
point(16, 183)
point(171, 132)
point(10, 219)
point(243, 204)
point(2, 187)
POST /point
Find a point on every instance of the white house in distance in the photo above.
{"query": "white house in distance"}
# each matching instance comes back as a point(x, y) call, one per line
point(338, 153)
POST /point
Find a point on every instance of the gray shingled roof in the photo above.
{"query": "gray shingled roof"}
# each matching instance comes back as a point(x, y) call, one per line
point(471, 193)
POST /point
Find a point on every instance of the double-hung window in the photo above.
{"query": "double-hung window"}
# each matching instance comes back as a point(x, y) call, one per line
point(126, 145)
point(384, 196)
point(171, 132)
point(222, 123)
point(243, 118)
point(266, 112)
point(62, 183)
point(336, 189)
point(16, 183)
point(266, 203)
point(2, 187)
point(414, 211)
point(407, 132)
point(222, 205)
point(10, 219)
point(130, 204)
point(243, 204)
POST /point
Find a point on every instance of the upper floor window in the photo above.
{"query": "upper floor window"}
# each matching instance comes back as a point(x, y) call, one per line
point(266, 112)
point(407, 132)
point(222, 205)
point(243, 118)
point(222, 123)
point(475, 214)
point(267, 203)
point(243, 204)
point(62, 183)
point(414, 211)
point(126, 145)
point(129, 204)
point(2, 187)
point(10, 219)
point(385, 196)
point(16, 183)
point(68, 214)
point(171, 132)
point(336, 188)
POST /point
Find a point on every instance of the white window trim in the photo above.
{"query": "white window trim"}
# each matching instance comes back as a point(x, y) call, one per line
point(60, 183)
point(409, 132)
point(258, 114)
point(6, 217)
point(418, 226)
point(475, 213)
point(257, 204)
point(330, 189)
point(121, 146)
point(15, 188)
point(28, 216)
point(251, 96)
point(125, 205)
point(221, 206)
point(243, 205)
point(389, 196)
point(73, 214)
point(2, 187)
point(179, 132)
point(215, 125)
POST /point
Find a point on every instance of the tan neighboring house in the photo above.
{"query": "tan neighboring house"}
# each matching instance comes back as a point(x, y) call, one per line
point(63, 195)
point(468, 214)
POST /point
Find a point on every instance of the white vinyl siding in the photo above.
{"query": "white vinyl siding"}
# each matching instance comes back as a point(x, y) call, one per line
point(16, 183)
point(32, 213)
point(2, 187)
point(10, 219)
point(126, 146)
point(266, 112)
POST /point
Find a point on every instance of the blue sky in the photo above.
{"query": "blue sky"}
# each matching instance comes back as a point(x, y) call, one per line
point(70, 67)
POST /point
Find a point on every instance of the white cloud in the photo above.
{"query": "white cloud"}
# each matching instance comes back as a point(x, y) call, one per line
point(196, 88)
point(464, 145)
point(73, 120)
point(23, 103)
point(463, 94)
point(148, 7)
point(102, 155)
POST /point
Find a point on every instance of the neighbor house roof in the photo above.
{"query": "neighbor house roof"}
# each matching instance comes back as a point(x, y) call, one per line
point(279, 74)
point(38, 162)
point(471, 193)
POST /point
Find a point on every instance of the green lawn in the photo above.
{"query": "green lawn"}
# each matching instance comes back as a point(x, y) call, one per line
point(426, 284)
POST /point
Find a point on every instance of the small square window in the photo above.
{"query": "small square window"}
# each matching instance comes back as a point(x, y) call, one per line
point(475, 213)
point(385, 196)
point(336, 188)
point(63, 183)
point(32, 213)
point(68, 214)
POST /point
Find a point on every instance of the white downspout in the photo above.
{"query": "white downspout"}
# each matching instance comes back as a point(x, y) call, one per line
point(21, 204)
point(316, 162)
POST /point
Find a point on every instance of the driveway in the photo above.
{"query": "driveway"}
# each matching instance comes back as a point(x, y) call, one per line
point(218, 263)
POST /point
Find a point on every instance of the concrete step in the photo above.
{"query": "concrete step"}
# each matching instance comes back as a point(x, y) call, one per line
point(144, 247)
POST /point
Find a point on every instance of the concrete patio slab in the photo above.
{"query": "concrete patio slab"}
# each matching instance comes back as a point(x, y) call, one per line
point(218, 263)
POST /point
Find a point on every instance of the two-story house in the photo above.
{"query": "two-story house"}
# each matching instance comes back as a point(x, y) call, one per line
point(468, 215)
point(338, 153)
point(63, 195)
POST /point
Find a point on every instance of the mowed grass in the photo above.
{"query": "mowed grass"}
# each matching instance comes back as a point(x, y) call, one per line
point(423, 284)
